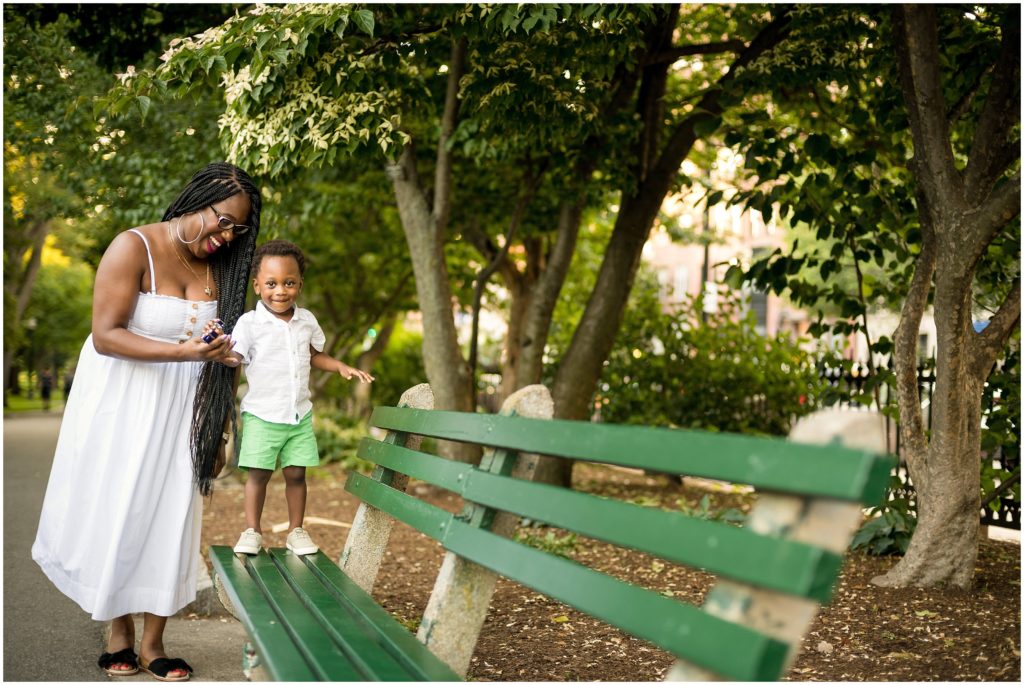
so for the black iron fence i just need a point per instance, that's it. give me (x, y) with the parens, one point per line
(856, 381)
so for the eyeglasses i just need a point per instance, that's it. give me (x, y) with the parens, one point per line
(227, 224)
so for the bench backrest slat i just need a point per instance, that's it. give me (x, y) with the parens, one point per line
(719, 548)
(738, 652)
(766, 463)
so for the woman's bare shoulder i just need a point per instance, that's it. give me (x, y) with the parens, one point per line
(128, 251)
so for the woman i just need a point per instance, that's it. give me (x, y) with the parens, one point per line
(141, 437)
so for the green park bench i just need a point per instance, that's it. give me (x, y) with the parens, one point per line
(310, 619)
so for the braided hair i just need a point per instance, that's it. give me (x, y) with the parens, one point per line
(214, 401)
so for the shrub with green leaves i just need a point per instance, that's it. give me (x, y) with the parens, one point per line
(337, 438)
(720, 374)
(399, 368)
(891, 526)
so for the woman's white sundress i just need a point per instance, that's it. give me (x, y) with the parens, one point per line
(119, 530)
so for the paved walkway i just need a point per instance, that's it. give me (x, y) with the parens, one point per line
(47, 637)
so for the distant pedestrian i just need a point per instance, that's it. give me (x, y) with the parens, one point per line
(46, 388)
(69, 378)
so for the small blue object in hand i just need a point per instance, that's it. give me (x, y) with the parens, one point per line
(218, 328)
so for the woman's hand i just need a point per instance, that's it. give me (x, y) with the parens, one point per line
(348, 372)
(217, 350)
(220, 345)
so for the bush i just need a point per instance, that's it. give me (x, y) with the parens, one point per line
(337, 439)
(892, 525)
(719, 374)
(399, 368)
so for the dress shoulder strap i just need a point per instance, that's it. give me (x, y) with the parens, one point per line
(149, 256)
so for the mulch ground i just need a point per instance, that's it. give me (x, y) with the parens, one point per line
(867, 633)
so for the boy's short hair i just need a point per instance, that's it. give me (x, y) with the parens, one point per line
(278, 248)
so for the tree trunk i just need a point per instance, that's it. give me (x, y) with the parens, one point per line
(957, 227)
(947, 480)
(424, 229)
(521, 294)
(532, 332)
(657, 166)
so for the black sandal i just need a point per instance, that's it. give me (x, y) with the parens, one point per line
(125, 656)
(159, 668)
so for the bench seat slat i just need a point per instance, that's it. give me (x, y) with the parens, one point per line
(740, 554)
(356, 638)
(403, 645)
(767, 463)
(324, 656)
(261, 622)
(737, 652)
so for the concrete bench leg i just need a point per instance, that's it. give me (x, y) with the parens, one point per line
(462, 592)
(371, 528)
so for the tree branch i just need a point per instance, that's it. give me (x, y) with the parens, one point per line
(484, 276)
(683, 137)
(443, 171)
(917, 50)
(1000, 114)
(991, 341)
(994, 214)
(912, 431)
(673, 54)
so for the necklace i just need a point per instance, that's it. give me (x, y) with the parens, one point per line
(188, 266)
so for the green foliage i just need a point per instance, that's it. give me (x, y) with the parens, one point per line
(559, 545)
(337, 438)
(891, 526)
(1001, 428)
(399, 368)
(705, 512)
(61, 295)
(720, 374)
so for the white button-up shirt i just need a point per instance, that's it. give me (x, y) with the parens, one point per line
(277, 362)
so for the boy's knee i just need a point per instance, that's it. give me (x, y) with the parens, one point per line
(259, 476)
(294, 474)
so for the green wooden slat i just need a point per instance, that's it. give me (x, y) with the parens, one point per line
(738, 553)
(442, 472)
(274, 643)
(426, 518)
(360, 646)
(733, 651)
(403, 645)
(768, 463)
(325, 658)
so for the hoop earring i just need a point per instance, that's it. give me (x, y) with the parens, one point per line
(177, 231)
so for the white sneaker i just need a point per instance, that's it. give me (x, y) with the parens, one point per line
(249, 542)
(300, 543)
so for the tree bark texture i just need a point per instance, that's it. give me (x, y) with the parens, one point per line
(960, 215)
(424, 227)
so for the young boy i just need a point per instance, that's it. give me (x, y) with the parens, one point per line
(278, 342)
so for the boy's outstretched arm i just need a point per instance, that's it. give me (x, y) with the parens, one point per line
(325, 362)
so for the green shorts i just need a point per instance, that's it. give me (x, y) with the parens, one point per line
(263, 442)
